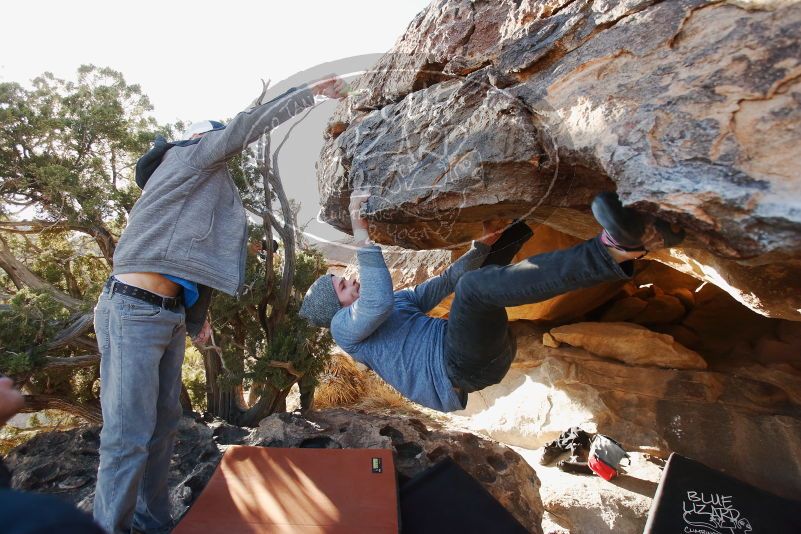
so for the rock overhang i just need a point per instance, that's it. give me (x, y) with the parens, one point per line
(528, 109)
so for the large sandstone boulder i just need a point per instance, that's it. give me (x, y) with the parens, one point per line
(745, 421)
(629, 343)
(527, 109)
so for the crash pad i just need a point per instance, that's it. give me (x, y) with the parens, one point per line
(445, 498)
(277, 490)
(695, 499)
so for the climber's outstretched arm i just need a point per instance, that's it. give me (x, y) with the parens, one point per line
(431, 292)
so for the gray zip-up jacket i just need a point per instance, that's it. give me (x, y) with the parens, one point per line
(189, 221)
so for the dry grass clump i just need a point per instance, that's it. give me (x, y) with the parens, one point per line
(340, 384)
(379, 395)
(344, 384)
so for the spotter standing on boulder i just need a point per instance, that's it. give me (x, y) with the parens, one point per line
(437, 362)
(186, 235)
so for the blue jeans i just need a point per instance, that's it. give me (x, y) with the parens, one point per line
(479, 348)
(142, 349)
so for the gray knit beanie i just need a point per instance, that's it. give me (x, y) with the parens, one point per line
(320, 303)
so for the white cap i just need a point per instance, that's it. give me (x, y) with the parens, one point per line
(201, 127)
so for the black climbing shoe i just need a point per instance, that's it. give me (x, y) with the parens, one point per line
(628, 230)
(511, 241)
(552, 452)
(575, 466)
(574, 440)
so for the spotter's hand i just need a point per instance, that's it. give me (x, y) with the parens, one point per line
(331, 86)
(203, 336)
(10, 399)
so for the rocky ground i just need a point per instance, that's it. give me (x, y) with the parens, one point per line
(588, 504)
(65, 463)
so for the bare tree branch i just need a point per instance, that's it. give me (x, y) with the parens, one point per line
(21, 276)
(74, 362)
(269, 275)
(287, 235)
(278, 300)
(278, 226)
(287, 366)
(84, 342)
(35, 403)
(77, 328)
(104, 239)
(286, 137)
(35, 226)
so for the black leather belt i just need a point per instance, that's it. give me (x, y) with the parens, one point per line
(168, 303)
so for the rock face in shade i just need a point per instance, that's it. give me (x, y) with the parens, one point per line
(65, 464)
(630, 343)
(689, 109)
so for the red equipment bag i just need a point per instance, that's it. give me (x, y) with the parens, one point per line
(601, 469)
(605, 456)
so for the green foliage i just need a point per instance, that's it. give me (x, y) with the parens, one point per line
(194, 378)
(67, 155)
(69, 146)
(311, 345)
(304, 346)
(309, 265)
(245, 173)
(248, 357)
(16, 363)
(26, 323)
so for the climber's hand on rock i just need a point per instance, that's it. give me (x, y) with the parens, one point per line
(358, 201)
(492, 231)
(11, 400)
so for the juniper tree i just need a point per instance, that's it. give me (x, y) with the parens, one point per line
(67, 153)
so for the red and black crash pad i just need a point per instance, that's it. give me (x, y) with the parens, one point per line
(275, 490)
(695, 499)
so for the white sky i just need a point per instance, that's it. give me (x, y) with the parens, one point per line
(204, 60)
(196, 59)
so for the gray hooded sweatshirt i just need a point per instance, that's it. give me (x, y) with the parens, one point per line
(189, 221)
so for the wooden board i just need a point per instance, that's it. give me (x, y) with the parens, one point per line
(273, 490)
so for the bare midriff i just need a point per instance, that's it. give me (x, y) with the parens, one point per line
(153, 282)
